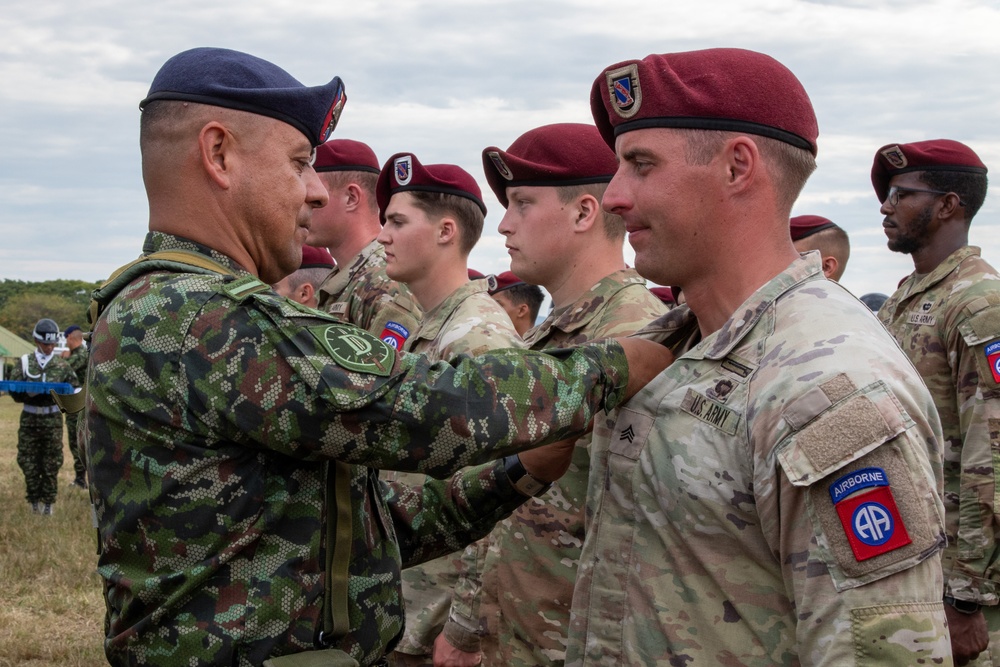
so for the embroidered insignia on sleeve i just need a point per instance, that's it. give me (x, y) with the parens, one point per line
(871, 519)
(993, 359)
(394, 335)
(355, 349)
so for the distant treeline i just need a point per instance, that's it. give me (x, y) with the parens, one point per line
(23, 303)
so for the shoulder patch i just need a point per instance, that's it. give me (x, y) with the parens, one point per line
(355, 349)
(992, 352)
(244, 287)
(394, 335)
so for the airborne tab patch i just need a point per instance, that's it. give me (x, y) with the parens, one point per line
(993, 359)
(355, 349)
(871, 520)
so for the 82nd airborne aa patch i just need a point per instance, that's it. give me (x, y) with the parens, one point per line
(355, 349)
(993, 359)
(394, 335)
(871, 519)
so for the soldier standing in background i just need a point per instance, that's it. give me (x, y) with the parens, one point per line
(520, 300)
(77, 358)
(946, 317)
(358, 290)
(514, 608)
(772, 497)
(433, 218)
(39, 435)
(814, 232)
(301, 285)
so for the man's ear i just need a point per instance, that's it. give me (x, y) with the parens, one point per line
(588, 212)
(742, 160)
(352, 194)
(216, 150)
(306, 291)
(830, 265)
(447, 230)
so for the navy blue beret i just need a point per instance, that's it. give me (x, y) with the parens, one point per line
(235, 80)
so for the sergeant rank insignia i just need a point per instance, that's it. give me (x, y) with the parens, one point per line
(867, 510)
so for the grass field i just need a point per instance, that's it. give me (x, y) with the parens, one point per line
(51, 609)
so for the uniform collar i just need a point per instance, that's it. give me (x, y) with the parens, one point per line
(432, 321)
(579, 313)
(914, 284)
(156, 241)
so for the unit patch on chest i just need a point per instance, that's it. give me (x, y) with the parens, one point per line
(710, 411)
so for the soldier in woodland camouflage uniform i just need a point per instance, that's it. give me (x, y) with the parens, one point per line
(358, 291)
(946, 317)
(77, 359)
(222, 419)
(39, 436)
(773, 497)
(514, 608)
(433, 218)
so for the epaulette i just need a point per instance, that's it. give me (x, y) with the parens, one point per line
(180, 261)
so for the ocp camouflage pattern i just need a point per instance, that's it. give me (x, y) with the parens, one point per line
(514, 606)
(712, 535)
(365, 296)
(944, 321)
(212, 411)
(468, 322)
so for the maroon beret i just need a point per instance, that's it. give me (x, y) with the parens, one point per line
(503, 281)
(316, 258)
(475, 275)
(933, 155)
(345, 155)
(714, 89)
(403, 172)
(804, 226)
(551, 155)
(664, 294)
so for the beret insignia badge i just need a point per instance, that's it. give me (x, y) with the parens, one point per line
(624, 90)
(895, 157)
(402, 169)
(501, 166)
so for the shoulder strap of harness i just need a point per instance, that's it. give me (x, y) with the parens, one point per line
(181, 261)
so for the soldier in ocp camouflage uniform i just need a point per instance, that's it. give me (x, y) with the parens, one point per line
(39, 435)
(946, 317)
(773, 497)
(433, 220)
(222, 419)
(78, 362)
(514, 607)
(358, 291)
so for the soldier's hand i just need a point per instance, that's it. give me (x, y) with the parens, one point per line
(645, 361)
(446, 655)
(550, 462)
(969, 636)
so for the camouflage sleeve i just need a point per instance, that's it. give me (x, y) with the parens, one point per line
(374, 307)
(269, 375)
(632, 308)
(443, 516)
(976, 353)
(60, 370)
(16, 374)
(864, 569)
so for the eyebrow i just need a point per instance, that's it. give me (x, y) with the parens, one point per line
(633, 153)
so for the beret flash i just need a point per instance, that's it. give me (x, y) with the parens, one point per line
(235, 80)
(316, 258)
(346, 155)
(933, 155)
(804, 226)
(551, 155)
(503, 281)
(404, 173)
(715, 89)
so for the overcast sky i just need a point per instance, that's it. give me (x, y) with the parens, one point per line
(444, 80)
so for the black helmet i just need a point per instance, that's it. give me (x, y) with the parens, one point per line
(46, 331)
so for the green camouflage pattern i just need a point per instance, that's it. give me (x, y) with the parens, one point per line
(213, 408)
(467, 322)
(712, 536)
(78, 362)
(513, 602)
(364, 295)
(943, 321)
(39, 436)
